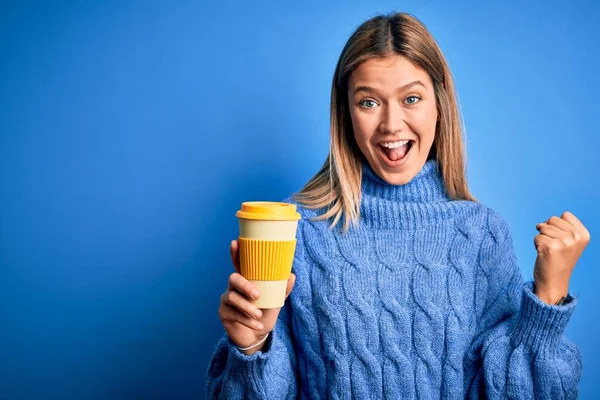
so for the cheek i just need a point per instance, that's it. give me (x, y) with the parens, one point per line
(426, 123)
(362, 140)
(362, 130)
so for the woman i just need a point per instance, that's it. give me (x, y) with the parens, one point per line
(418, 294)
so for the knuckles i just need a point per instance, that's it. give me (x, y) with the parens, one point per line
(570, 239)
(554, 218)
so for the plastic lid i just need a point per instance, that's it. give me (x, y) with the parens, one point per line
(268, 210)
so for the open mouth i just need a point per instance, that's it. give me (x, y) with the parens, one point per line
(395, 152)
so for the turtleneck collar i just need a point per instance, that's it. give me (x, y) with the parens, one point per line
(422, 201)
(426, 186)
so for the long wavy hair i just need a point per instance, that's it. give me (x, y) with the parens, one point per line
(337, 185)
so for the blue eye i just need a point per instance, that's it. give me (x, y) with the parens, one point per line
(417, 99)
(362, 103)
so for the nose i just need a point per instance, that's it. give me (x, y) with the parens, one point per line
(393, 118)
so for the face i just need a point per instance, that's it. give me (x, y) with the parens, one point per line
(394, 115)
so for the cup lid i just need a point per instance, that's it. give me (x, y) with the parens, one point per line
(268, 210)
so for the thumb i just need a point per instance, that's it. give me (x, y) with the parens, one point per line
(290, 285)
(235, 255)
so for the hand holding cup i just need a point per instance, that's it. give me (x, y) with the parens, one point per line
(262, 257)
(244, 322)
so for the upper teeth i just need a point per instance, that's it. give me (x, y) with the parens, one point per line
(395, 145)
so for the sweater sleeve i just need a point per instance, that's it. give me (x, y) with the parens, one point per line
(519, 350)
(267, 374)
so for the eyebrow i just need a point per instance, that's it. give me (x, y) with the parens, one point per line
(370, 89)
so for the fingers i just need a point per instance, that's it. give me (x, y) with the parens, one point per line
(235, 303)
(579, 227)
(543, 242)
(239, 283)
(236, 300)
(235, 255)
(231, 314)
(552, 231)
(290, 285)
(572, 219)
(561, 224)
(567, 223)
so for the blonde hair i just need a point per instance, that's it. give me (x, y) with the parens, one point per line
(337, 185)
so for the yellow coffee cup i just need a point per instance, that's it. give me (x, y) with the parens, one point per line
(267, 243)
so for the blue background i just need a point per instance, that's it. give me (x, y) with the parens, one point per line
(131, 132)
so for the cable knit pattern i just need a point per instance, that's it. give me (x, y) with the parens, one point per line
(423, 300)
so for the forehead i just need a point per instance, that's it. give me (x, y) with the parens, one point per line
(387, 73)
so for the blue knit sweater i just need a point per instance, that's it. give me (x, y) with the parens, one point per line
(424, 300)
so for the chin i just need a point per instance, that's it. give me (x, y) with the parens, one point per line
(396, 178)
